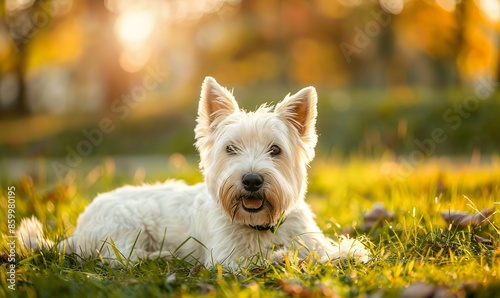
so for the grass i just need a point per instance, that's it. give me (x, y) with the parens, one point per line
(416, 251)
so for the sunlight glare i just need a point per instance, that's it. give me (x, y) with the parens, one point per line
(392, 6)
(448, 5)
(17, 5)
(134, 27)
(133, 61)
(490, 8)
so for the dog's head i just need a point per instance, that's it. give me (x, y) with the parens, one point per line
(255, 163)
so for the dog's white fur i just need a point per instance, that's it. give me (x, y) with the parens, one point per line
(208, 222)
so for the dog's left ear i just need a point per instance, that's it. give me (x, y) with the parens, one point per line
(215, 101)
(300, 109)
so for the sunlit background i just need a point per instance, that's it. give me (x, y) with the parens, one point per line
(386, 71)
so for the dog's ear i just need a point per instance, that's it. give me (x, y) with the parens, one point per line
(300, 110)
(215, 101)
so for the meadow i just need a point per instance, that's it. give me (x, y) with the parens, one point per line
(100, 94)
(416, 253)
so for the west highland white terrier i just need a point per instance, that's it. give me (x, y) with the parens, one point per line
(250, 206)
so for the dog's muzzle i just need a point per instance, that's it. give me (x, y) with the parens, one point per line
(253, 202)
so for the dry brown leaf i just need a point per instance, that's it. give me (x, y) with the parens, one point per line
(377, 215)
(295, 289)
(482, 239)
(206, 289)
(196, 269)
(423, 290)
(463, 219)
(418, 290)
(443, 292)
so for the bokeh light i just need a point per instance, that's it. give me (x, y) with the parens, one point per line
(108, 45)
(134, 28)
(393, 6)
(491, 8)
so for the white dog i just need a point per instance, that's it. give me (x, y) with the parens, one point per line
(251, 203)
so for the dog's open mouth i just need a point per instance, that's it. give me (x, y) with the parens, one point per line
(252, 204)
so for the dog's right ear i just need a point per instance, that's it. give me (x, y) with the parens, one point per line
(215, 102)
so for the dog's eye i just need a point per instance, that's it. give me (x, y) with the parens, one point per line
(274, 150)
(230, 149)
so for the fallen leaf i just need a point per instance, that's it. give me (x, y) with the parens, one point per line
(441, 185)
(326, 291)
(482, 239)
(206, 289)
(463, 219)
(376, 216)
(418, 290)
(294, 289)
(196, 269)
(443, 292)
(4, 257)
(471, 287)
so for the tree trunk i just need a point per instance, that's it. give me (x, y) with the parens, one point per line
(21, 106)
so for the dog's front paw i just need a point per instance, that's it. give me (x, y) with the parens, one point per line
(348, 248)
(278, 256)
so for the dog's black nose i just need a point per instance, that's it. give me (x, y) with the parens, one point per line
(252, 182)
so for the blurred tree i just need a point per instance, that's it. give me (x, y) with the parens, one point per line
(346, 44)
(22, 26)
(103, 51)
(79, 37)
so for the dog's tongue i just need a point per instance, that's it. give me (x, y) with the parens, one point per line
(252, 203)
